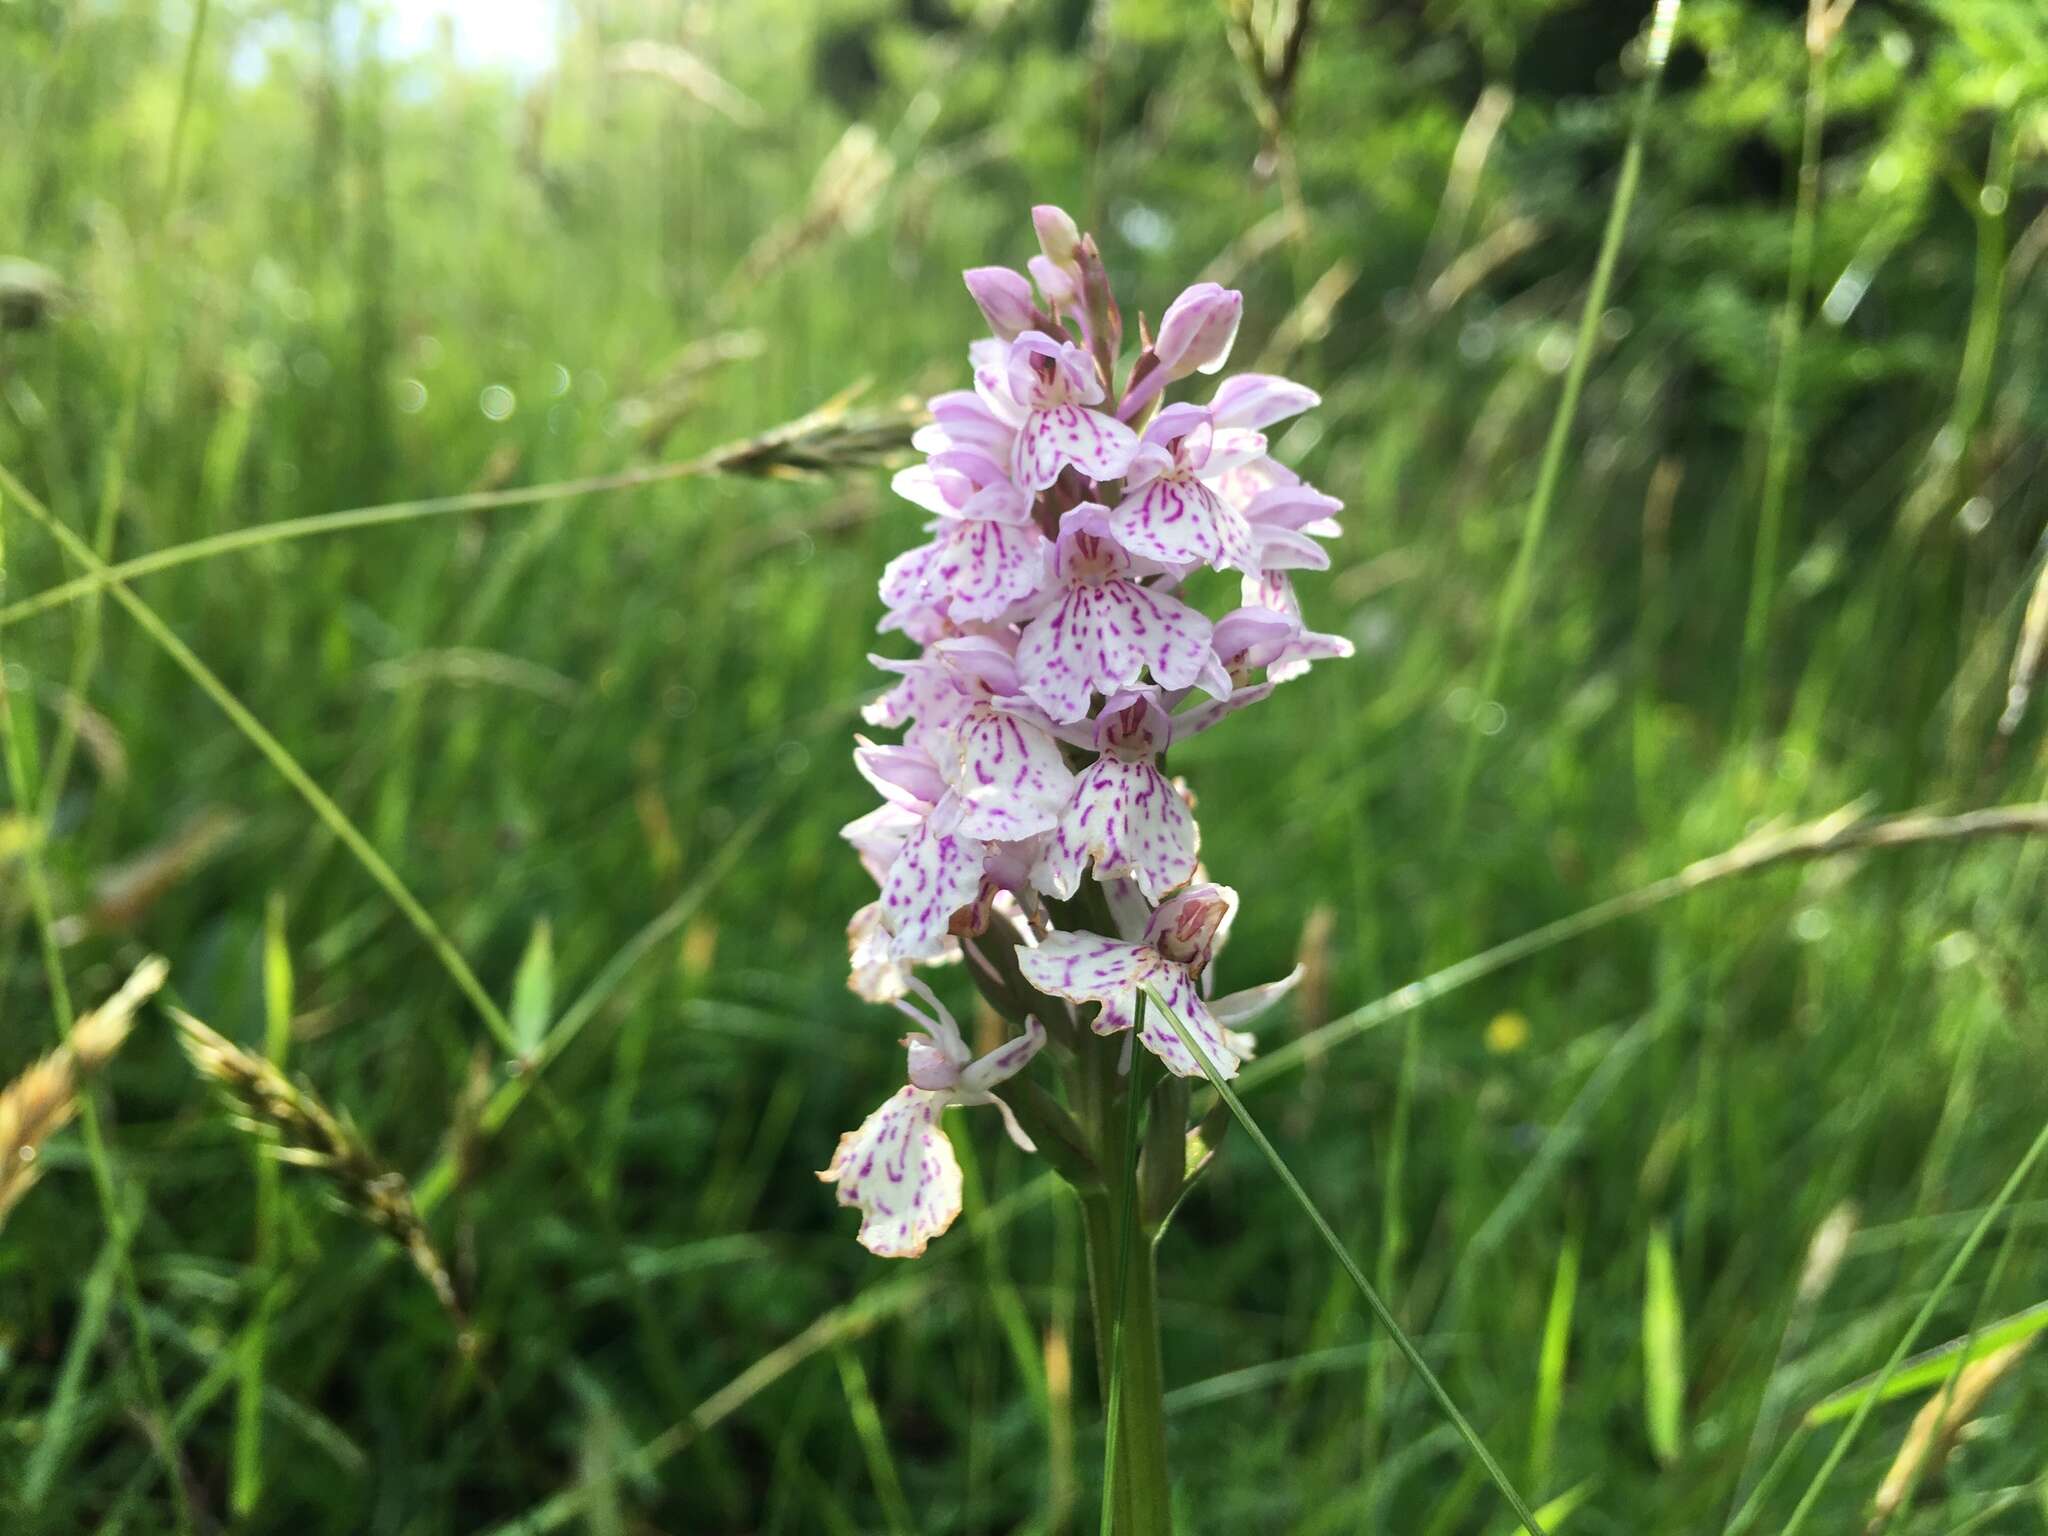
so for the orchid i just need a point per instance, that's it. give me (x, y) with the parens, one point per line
(1030, 832)
(898, 1168)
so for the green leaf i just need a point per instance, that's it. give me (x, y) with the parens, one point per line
(1550, 1366)
(533, 990)
(1663, 1350)
(1932, 1367)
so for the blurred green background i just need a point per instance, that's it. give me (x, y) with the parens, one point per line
(1643, 1200)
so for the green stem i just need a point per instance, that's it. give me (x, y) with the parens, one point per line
(1515, 595)
(1785, 445)
(1129, 1344)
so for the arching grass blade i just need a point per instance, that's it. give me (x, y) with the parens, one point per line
(1365, 1287)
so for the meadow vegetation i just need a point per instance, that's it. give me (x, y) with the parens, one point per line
(1648, 1198)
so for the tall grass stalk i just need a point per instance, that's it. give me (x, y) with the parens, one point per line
(662, 1351)
(1843, 832)
(1784, 445)
(17, 743)
(1514, 596)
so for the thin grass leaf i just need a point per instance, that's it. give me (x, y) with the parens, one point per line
(1555, 1512)
(1515, 594)
(1378, 1307)
(1845, 831)
(1551, 1361)
(1875, 1394)
(834, 438)
(533, 991)
(245, 1493)
(60, 1421)
(1928, 1369)
(1663, 1350)
(874, 1442)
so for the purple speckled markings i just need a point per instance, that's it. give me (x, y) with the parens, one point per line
(898, 1168)
(1087, 968)
(1169, 512)
(1105, 627)
(1124, 814)
(1069, 504)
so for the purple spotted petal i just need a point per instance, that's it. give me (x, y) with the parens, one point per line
(981, 567)
(1177, 990)
(934, 875)
(899, 1171)
(1177, 520)
(1005, 1061)
(1130, 821)
(1087, 968)
(879, 836)
(1096, 444)
(1099, 638)
(1007, 774)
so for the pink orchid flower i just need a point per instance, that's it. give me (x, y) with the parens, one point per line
(1087, 968)
(1105, 627)
(1047, 390)
(1169, 513)
(898, 1169)
(987, 555)
(1124, 815)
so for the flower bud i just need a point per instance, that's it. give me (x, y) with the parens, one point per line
(930, 1068)
(1004, 298)
(1058, 236)
(1197, 331)
(1058, 284)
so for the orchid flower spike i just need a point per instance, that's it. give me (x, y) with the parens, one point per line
(1068, 504)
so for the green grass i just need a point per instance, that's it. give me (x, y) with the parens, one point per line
(618, 717)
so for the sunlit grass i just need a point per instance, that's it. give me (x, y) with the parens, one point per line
(384, 282)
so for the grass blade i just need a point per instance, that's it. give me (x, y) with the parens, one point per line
(533, 990)
(59, 1420)
(874, 1441)
(1928, 1369)
(246, 1491)
(1875, 1393)
(1515, 595)
(1365, 1287)
(1551, 1362)
(1663, 1350)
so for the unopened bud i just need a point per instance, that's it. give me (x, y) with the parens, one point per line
(1004, 298)
(1058, 235)
(1198, 329)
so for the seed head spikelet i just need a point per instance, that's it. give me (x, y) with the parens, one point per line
(44, 1098)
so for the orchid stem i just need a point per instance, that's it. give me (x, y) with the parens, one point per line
(1129, 1346)
(1123, 1294)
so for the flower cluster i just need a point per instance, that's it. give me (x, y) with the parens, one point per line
(1059, 663)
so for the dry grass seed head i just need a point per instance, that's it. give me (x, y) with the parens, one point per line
(44, 1098)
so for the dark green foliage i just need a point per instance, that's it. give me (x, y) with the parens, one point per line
(559, 715)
